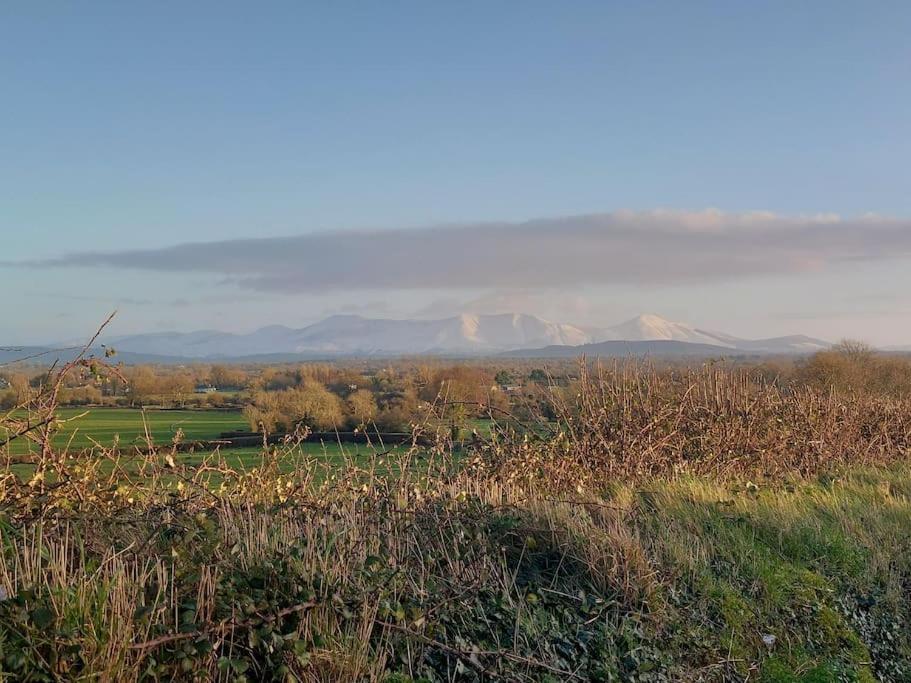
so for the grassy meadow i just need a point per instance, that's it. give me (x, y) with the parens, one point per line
(84, 428)
(93, 433)
(100, 428)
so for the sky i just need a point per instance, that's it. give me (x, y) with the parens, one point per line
(739, 166)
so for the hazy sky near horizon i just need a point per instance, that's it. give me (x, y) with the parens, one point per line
(742, 167)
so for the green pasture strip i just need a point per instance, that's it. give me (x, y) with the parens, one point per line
(86, 426)
(323, 457)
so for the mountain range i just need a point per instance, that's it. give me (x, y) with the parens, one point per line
(505, 335)
(465, 334)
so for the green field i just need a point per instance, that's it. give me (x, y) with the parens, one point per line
(325, 457)
(87, 428)
(291, 457)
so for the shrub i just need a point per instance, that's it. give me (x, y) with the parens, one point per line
(362, 407)
(854, 367)
(311, 405)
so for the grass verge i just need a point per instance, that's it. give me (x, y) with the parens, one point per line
(463, 578)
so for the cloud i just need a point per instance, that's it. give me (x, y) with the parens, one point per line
(660, 247)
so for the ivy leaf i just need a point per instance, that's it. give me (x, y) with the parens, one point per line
(42, 617)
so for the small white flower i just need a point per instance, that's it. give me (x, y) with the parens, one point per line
(768, 640)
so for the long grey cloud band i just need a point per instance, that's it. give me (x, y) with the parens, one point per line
(650, 247)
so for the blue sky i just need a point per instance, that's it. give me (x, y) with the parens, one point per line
(128, 128)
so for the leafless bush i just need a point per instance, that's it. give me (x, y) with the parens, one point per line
(628, 420)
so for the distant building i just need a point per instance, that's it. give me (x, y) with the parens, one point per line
(504, 387)
(205, 389)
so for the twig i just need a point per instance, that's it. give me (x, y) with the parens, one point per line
(26, 430)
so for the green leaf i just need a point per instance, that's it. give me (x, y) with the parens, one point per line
(42, 617)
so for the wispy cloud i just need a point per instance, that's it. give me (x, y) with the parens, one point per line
(659, 247)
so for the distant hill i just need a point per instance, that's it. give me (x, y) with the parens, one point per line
(655, 336)
(623, 349)
(797, 343)
(649, 327)
(45, 355)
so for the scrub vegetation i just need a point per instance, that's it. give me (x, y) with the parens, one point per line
(634, 523)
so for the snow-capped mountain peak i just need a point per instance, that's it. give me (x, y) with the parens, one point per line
(651, 327)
